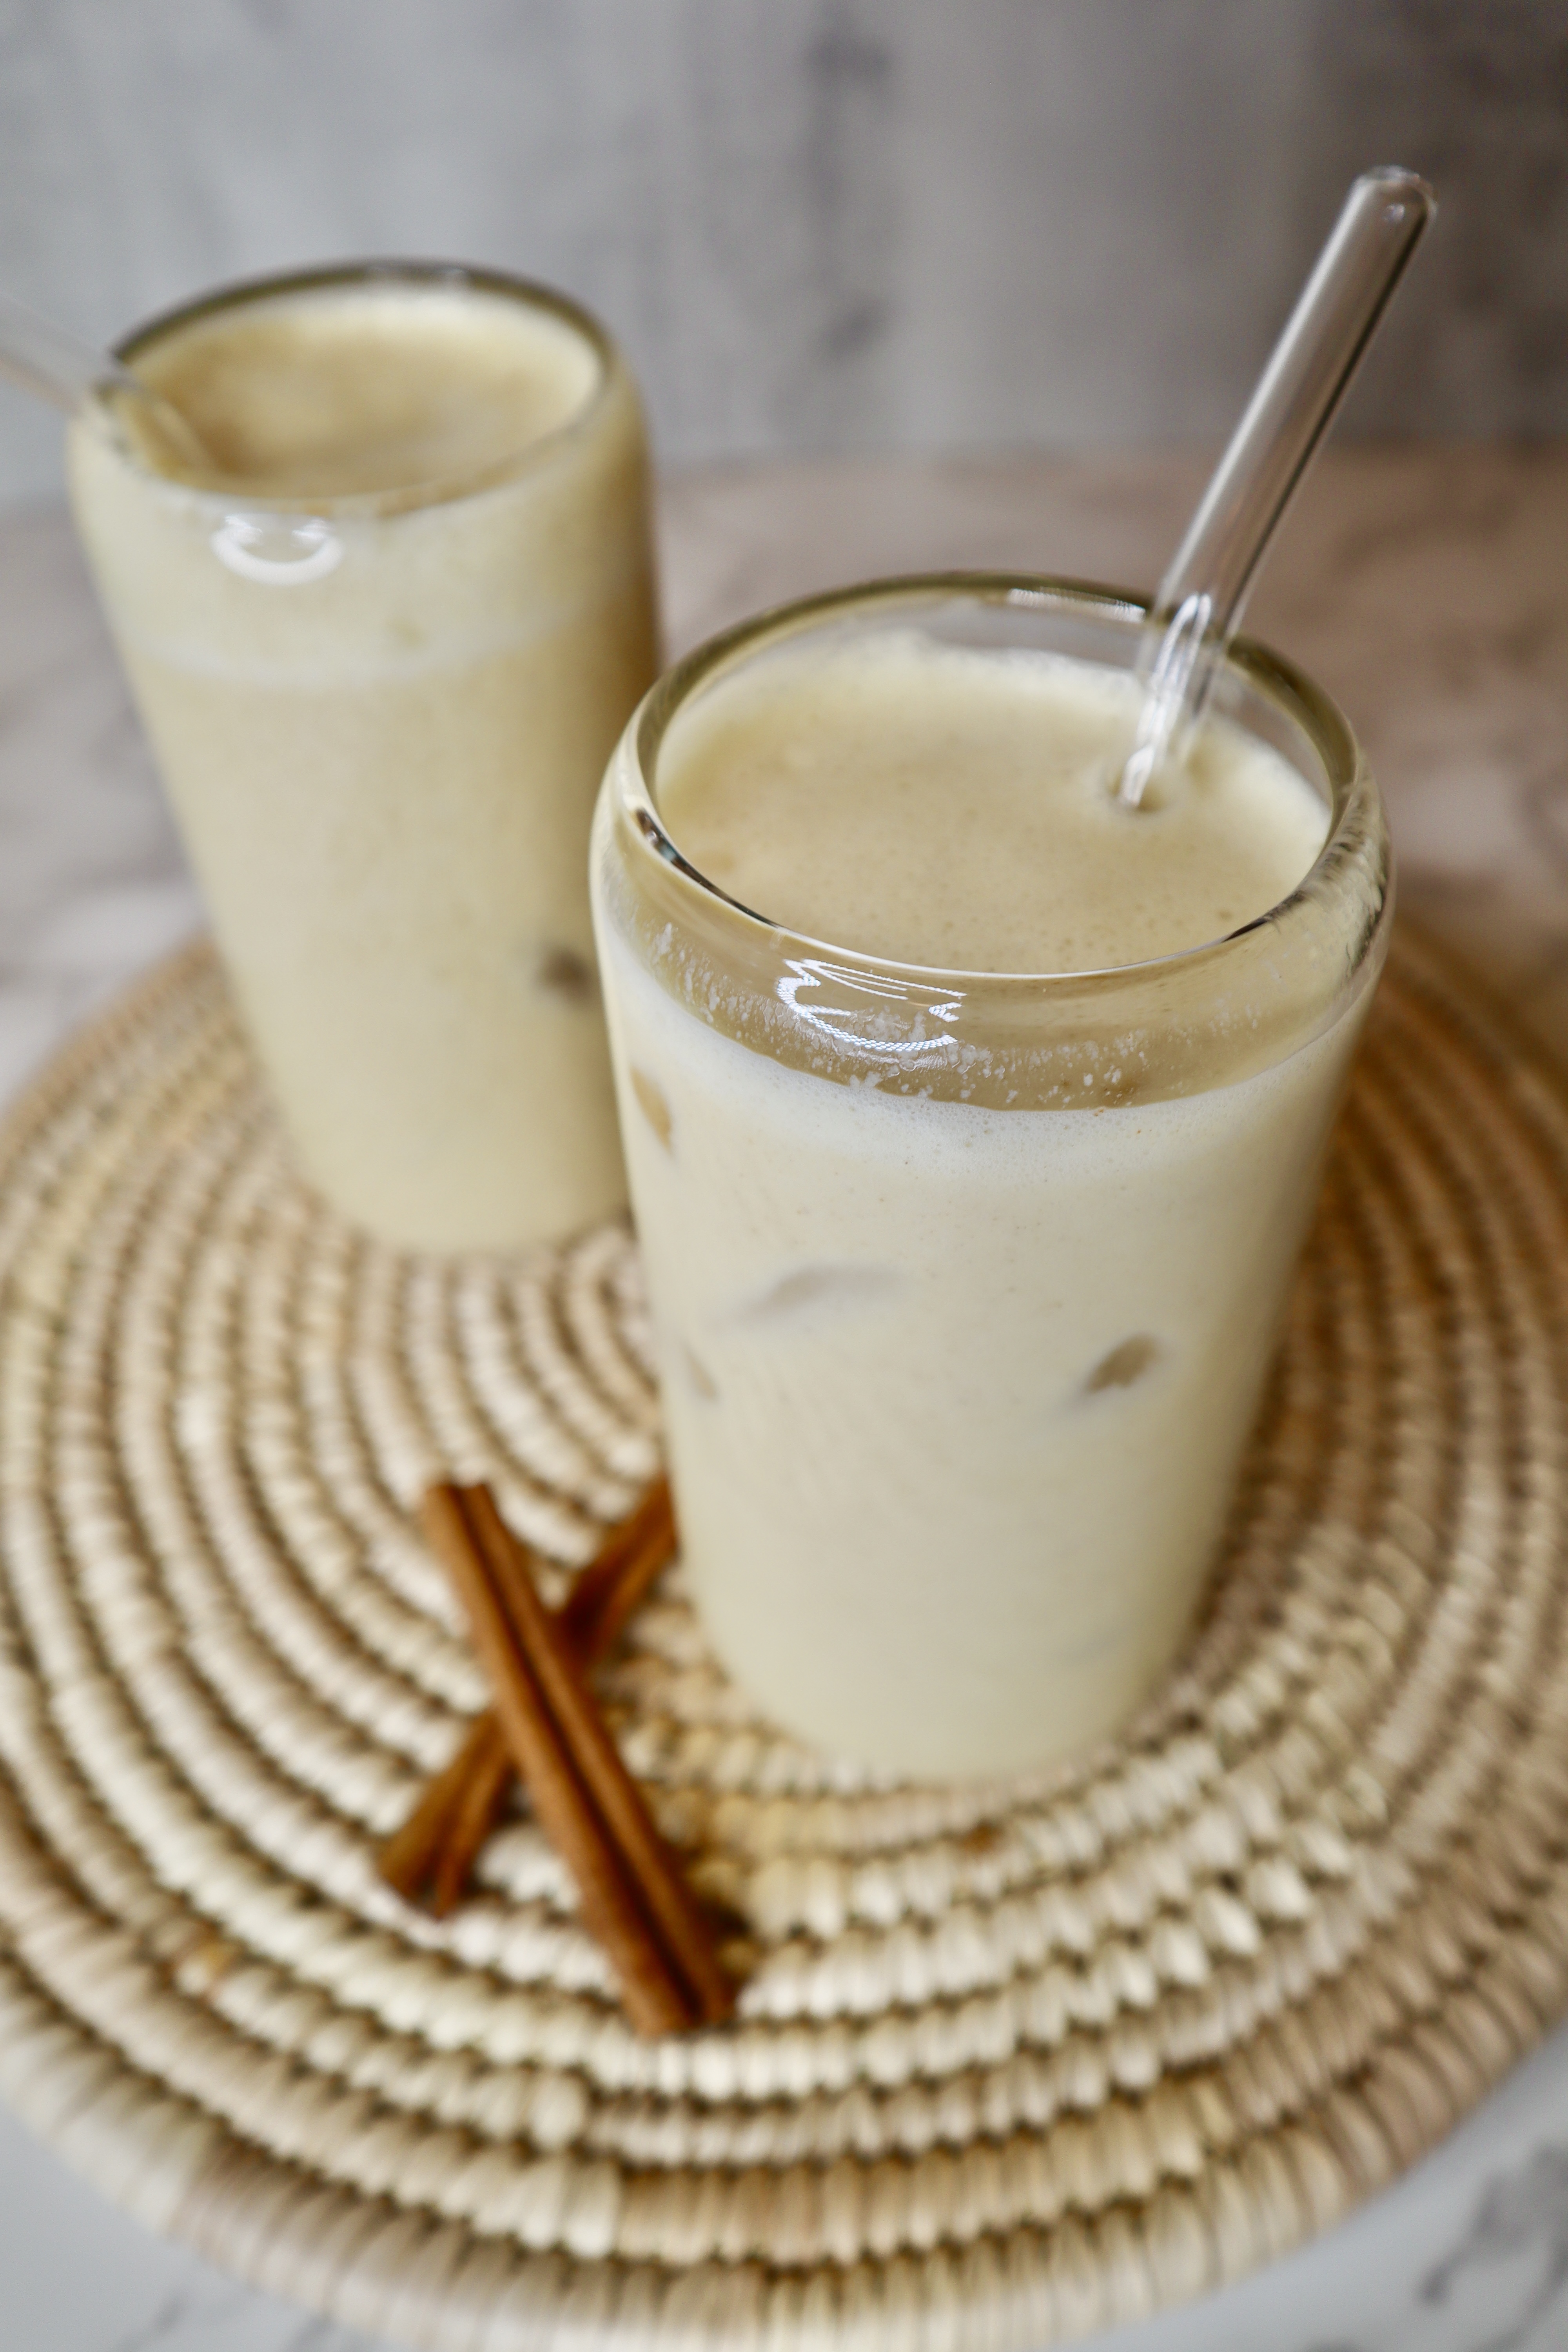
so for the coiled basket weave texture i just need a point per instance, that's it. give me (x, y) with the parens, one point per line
(1011, 2063)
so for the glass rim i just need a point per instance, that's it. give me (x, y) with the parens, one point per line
(1269, 672)
(239, 293)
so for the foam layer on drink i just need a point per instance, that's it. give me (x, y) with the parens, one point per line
(948, 807)
(339, 391)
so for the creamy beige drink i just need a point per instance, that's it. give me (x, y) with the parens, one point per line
(940, 806)
(964, 1288)
(383, 653)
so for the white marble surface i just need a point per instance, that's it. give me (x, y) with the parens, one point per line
(1430, 594)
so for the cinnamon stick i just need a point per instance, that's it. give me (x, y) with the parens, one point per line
(431, 1858)
(633, 1895)
(678, 1922)
(474, 1813)
(604, 1593)
(424, 1850)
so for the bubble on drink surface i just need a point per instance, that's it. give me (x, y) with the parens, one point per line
(820, 1286)
(1124, 1364)
(654, 1107)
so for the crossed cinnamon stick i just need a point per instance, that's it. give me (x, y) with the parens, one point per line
(544, 1722)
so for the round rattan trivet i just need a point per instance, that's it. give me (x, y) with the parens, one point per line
(1010, 2064)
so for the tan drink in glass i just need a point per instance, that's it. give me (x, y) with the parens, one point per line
(974, 1125)
(382, 658)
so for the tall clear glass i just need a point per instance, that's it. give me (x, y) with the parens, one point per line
(965, 1286)
(382, 715)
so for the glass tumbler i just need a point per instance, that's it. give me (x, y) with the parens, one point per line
(964, 1287)
(381, 715)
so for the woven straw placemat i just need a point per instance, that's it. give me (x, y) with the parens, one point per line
(1010, 2064)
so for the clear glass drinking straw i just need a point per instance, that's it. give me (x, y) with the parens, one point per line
(1200, 599)
(63, 368)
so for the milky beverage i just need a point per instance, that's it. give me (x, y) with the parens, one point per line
(383, 659)
(956, 1377)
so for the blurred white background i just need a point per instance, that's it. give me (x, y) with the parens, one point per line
(825, 225)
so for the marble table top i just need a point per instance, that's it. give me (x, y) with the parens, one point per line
(1427, 590)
